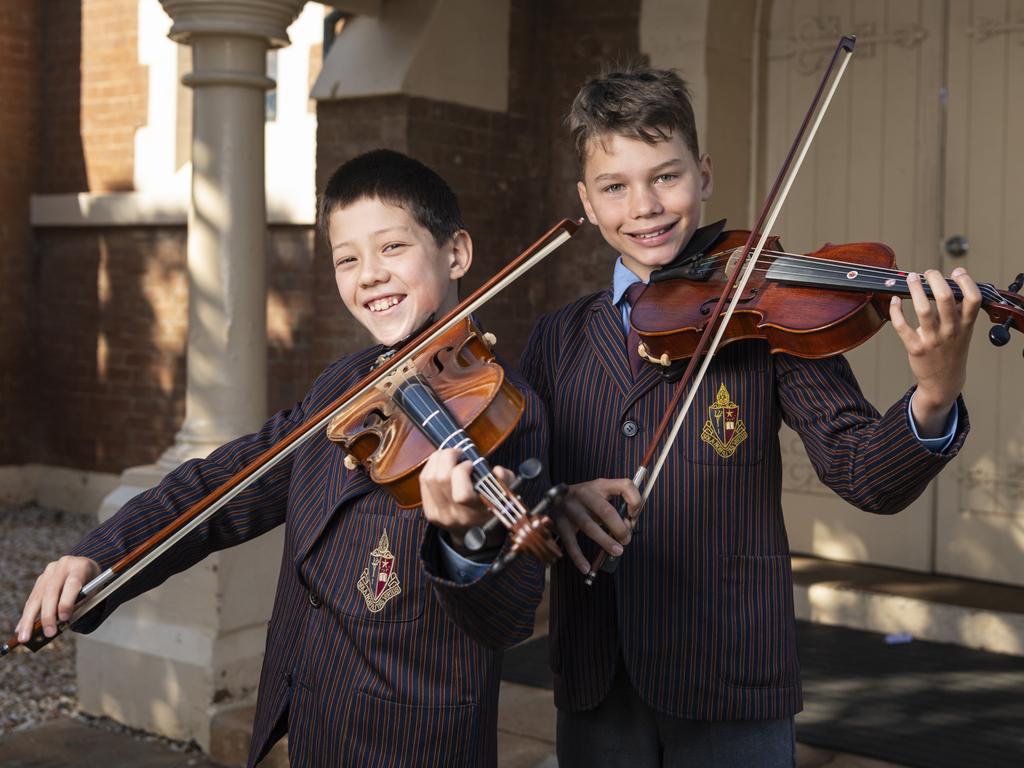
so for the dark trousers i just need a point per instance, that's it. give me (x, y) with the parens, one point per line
(624, 732)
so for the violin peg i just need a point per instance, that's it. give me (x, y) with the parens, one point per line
(476, 537)
(351, 462)
(530, 469)
(490, 339)
(1000, 334)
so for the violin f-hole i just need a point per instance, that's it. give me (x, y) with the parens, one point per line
(707, 306)
(436, 358)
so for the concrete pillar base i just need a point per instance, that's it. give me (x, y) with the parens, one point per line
(171, 659)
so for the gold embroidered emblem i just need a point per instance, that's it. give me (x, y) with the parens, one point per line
(379, 582)
(724, 430)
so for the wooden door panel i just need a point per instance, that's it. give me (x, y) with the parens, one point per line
(980, 530)
(871, 175)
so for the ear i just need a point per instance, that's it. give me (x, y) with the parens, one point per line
(707, 180)
(587, 207)
(460, 257)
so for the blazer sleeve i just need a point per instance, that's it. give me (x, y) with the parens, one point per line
(873, 461)
(497, 610)
(256, 510)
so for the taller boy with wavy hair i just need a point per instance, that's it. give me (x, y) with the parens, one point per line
(687, 655)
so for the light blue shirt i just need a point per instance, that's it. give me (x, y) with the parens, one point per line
(460, 569)
(622, 278)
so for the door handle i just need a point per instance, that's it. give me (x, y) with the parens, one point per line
(957, 246)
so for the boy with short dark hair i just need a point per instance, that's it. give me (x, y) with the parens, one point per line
(384, 643)
(687, 655)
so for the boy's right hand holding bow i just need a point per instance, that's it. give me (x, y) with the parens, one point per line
(587, 508)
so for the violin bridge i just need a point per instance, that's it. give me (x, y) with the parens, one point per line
(393, 379)
(734, 262)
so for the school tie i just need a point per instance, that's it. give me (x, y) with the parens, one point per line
(632, 338)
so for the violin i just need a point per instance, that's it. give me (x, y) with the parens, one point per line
(810, 305)
(453, 394)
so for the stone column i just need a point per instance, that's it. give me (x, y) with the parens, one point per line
(170, 660)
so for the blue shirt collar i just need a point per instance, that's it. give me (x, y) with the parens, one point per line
(622, 278)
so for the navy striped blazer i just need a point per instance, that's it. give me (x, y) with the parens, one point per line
(373, 658)
(701, 607)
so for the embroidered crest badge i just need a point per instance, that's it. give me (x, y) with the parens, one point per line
(724, 430)
(379, 582)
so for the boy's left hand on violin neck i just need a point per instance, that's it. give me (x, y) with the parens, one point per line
(938, 347)
(450, 500)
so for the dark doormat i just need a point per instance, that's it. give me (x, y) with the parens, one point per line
(919, 704)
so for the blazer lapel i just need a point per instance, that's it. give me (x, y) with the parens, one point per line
(340, 483)
(648, 379)
(606, 335)
(609, 340)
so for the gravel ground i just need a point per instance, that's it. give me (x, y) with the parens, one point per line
(34, 686)
(41, 686)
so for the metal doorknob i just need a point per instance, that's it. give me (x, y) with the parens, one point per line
(957, 246)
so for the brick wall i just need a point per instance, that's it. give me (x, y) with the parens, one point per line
(95, 95)
(110, 328)
(19, 92)
(582, 38)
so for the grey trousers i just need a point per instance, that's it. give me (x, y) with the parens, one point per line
(624, 732)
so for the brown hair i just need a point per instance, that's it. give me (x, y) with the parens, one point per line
(635, 101)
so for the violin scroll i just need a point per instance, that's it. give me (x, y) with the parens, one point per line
(1009, 313)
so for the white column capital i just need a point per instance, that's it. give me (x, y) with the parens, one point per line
(265, 19)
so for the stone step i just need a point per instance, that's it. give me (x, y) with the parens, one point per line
(230, 730)
(974, 614)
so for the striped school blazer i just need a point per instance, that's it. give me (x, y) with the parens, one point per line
(701, 607)
(373, 658)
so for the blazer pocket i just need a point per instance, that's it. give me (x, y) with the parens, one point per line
(758, 648)
(380, 579)
(732, 418)
(388, 733)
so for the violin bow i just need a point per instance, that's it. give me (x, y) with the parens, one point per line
(121, 572)
(715, 329)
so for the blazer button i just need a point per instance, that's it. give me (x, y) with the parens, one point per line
(630, 428)
(314, 600)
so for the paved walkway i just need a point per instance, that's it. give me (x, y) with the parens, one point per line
(527, 718)
(526, 735)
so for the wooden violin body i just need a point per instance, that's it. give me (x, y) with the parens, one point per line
(809, 305)
(461, 370)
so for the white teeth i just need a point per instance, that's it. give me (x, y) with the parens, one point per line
(379, 305)
(649, 235)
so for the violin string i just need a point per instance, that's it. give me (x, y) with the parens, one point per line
(505, 505)
(830, 267)
(507, 501)
(864, 270)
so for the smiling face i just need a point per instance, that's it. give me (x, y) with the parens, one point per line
(391, 275)
(645, 198)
